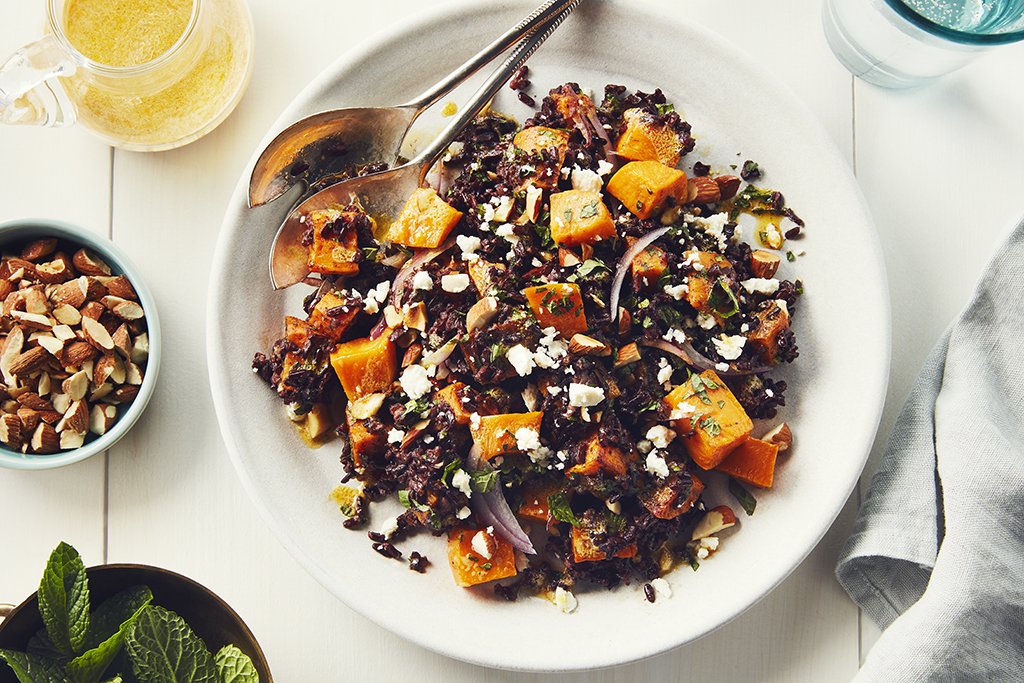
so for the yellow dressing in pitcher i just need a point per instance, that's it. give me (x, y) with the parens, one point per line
(181, 97)
(125, 32)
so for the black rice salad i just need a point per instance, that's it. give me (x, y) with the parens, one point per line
(552, 350)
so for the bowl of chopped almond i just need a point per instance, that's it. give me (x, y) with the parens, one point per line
(79, 344)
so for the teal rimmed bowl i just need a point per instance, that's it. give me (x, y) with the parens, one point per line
(21, 231)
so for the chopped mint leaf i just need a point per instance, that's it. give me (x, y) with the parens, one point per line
(483, 481)
(64, 599)
(235, 666)
(743, 496)
(589, 266)
(558, 504)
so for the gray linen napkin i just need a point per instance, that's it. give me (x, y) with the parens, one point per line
(936, 557)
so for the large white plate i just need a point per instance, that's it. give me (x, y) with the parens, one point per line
(738, 112)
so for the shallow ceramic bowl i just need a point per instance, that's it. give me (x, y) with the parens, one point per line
(20, 232)
(209, 617)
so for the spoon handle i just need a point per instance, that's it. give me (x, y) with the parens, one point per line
(524, 49)
(539, 16)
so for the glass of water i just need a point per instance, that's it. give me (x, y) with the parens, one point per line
(906, 43)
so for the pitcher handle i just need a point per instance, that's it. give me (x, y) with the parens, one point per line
(29, 93)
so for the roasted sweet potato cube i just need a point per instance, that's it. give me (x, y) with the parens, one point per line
(774, 319)
(579, 217)
(425, 221)
(753, 461)
(365, 443)
(717, 420)
(496, 434)
(648, 265)
(365, 366)
(558, 305)
(700, 285)
(332, 315)
(477, 555)
(646, 139)
(335, 244)
(450, 396)
(484, 275)
(539, 139)
(644, 187)
(583, 547)
(598, 457)
(535, 502)
(672, 496)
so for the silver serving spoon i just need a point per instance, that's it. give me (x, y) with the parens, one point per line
(318, 147)
(383, 195)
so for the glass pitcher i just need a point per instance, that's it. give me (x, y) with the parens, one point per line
(144, 75)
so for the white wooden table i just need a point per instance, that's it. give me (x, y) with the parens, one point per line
(942, 168)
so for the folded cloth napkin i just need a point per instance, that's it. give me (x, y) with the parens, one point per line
(936, 557)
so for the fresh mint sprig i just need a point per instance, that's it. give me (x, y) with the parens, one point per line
(125, 640)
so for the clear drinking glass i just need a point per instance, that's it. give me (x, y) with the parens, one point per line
(906, 43)
(143, 75)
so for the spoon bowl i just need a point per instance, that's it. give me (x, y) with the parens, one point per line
(325, 147)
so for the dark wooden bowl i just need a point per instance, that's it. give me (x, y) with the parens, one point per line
(209, 617)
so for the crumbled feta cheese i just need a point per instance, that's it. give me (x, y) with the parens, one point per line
(474, 420)
(464, 512)
(677, 292)
(389, 527)
(527, 439)
(644, 446)
(507, 231)
(714, 226)
(585, 179)
(554, 390)
(396, 436)
(457, 282)
(681, 411)
(781, 303)
(729, 347)
(565, 600)
(656, 464)
(693, 260)
(460, 480)
(488, 215)
(584, 396)
(706, 321)
(660, 436)
(468, 245)
(722, 367)
(604, 168)
(415, 382)
(706, 546)
(662, 588)
(521, 359)
(375, 297)
(761, 285)
(422, 280)
(676, 335)
(481, 545)
(664, 370)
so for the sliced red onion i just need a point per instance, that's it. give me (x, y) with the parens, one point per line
(693, 357)
(492, 509)
(624, 264)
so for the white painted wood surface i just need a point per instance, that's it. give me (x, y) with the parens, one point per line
(941, 168)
